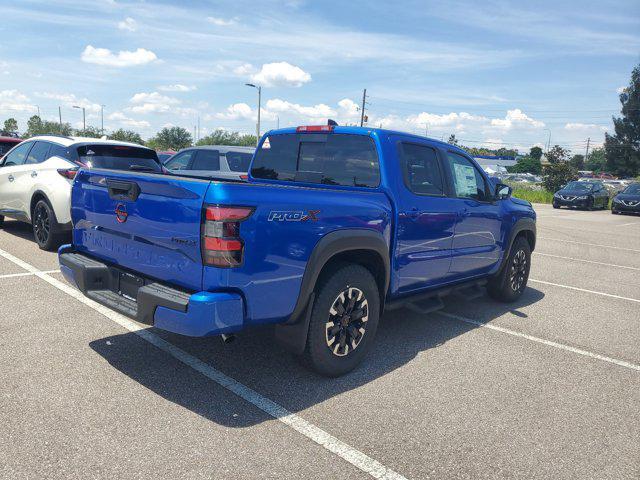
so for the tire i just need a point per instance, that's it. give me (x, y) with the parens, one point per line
(511, 282)
(555, 205)
(1, 220)
(590, 203)
(45, 226)
(336, 343)
(614, 212)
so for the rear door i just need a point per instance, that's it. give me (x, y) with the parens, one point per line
(147, 223)
(426, 218)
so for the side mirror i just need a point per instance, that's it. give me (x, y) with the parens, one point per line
(502, 191)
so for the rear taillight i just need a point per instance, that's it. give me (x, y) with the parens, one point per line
(244, 177)
(69, 173)
(221, 242)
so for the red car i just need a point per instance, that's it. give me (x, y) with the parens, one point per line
(7, 143)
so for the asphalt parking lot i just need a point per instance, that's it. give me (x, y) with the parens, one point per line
(548, 387)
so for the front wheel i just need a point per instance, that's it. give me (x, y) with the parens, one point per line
(555, 205)
(344, 320)
(1, 220)
(510, 283)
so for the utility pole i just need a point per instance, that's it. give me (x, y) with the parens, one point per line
(84, 118)
(198, 127)
(586, 155)
(60, 116)
(278, 122)
(259, 88)
(364, 102)
(38, 108)
(102, 119)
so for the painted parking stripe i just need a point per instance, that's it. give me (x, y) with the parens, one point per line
(26, 274)
(297, 423)
(588, 244)
(587, 261)
(570, 287)
(549, 343)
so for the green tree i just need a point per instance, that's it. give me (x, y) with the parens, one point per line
(557, 154)
(36, 126)
(90, 132)
(452, 139)
(596, 161)
(535, 152)
(558, 174)
(171, 138)
(577, 161)
(622, 149)
(123, 135)
(10, 126)
(527, 164)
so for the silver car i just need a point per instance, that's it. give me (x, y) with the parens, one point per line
(213, 161)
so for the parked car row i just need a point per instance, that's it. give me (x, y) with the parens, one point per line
(591, 194)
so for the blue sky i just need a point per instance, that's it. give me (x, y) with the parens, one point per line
(494, 73)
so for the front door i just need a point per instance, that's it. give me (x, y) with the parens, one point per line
(426, 218)
(11, 175)
(478, 231)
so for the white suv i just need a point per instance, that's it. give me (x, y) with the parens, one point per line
(36, 178)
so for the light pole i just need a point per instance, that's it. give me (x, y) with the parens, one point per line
(259, 88)
(84, 118)
(101, 118)
(38, 108)
(549, 139)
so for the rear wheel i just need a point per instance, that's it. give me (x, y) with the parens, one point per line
(344, 320)
(510, 283)
(614, 211)
(1, 220)
(45, 226)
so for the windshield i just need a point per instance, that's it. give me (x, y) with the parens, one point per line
(119, 157)
(239, 161)
(633, 189)
(578, 187)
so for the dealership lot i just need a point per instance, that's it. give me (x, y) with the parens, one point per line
(546, 387)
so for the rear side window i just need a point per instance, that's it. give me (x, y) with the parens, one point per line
(420, 169)
(330, 159)
(207, 160)
(239, 161)
(58, 151)
(39, 153)
(119, 157)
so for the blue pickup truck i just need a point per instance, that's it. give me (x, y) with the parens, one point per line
(335, 225)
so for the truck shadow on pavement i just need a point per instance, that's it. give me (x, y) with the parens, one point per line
(257, 361)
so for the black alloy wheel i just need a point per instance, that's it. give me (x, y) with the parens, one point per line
(347, 321)
(42, 223)
(518, 272)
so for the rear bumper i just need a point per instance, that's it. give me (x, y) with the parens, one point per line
(199, 314)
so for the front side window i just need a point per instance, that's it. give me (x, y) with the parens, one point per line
(467, 180)
(18, 155)
(420, 169)
(119, 157)
(330, 159)
(180, 161)
(207, 160)
(39, 153)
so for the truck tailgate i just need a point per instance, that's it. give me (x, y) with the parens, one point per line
(147, 223)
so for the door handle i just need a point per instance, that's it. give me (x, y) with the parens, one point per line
(11, 179)
(34, 174)
(413, 213)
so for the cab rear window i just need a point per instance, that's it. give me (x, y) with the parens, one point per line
(330, 159)
(119, 157)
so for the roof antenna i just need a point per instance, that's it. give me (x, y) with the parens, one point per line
(333, 123)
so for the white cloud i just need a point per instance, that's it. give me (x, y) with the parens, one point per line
(516, 117)
(237, 111)
(128, 24)
(70, 99)
(445, 120)
(281, 74)
(244, 70)
(314, 112)
(621, 89)
(15, 101)
(104, 56)
(177, 87)
(123, 120)
(221, 22)
(152, 102)
(576, 126)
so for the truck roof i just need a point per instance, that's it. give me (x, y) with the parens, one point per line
(380, 132)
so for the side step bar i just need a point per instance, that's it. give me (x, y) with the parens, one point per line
(431, 301)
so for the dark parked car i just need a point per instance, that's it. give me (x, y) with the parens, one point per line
(212, 161)
(587, 195)
(7, 143)
(627, 201)
(164, 156)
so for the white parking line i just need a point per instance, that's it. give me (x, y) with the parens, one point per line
(319, 436)
(627, 224)
(549, 343)
(26, 274)
(586, 261)
(588, 244)
(585, 290)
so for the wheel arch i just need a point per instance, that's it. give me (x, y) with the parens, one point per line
(524, 227)
(363, 247)
(36, 196)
